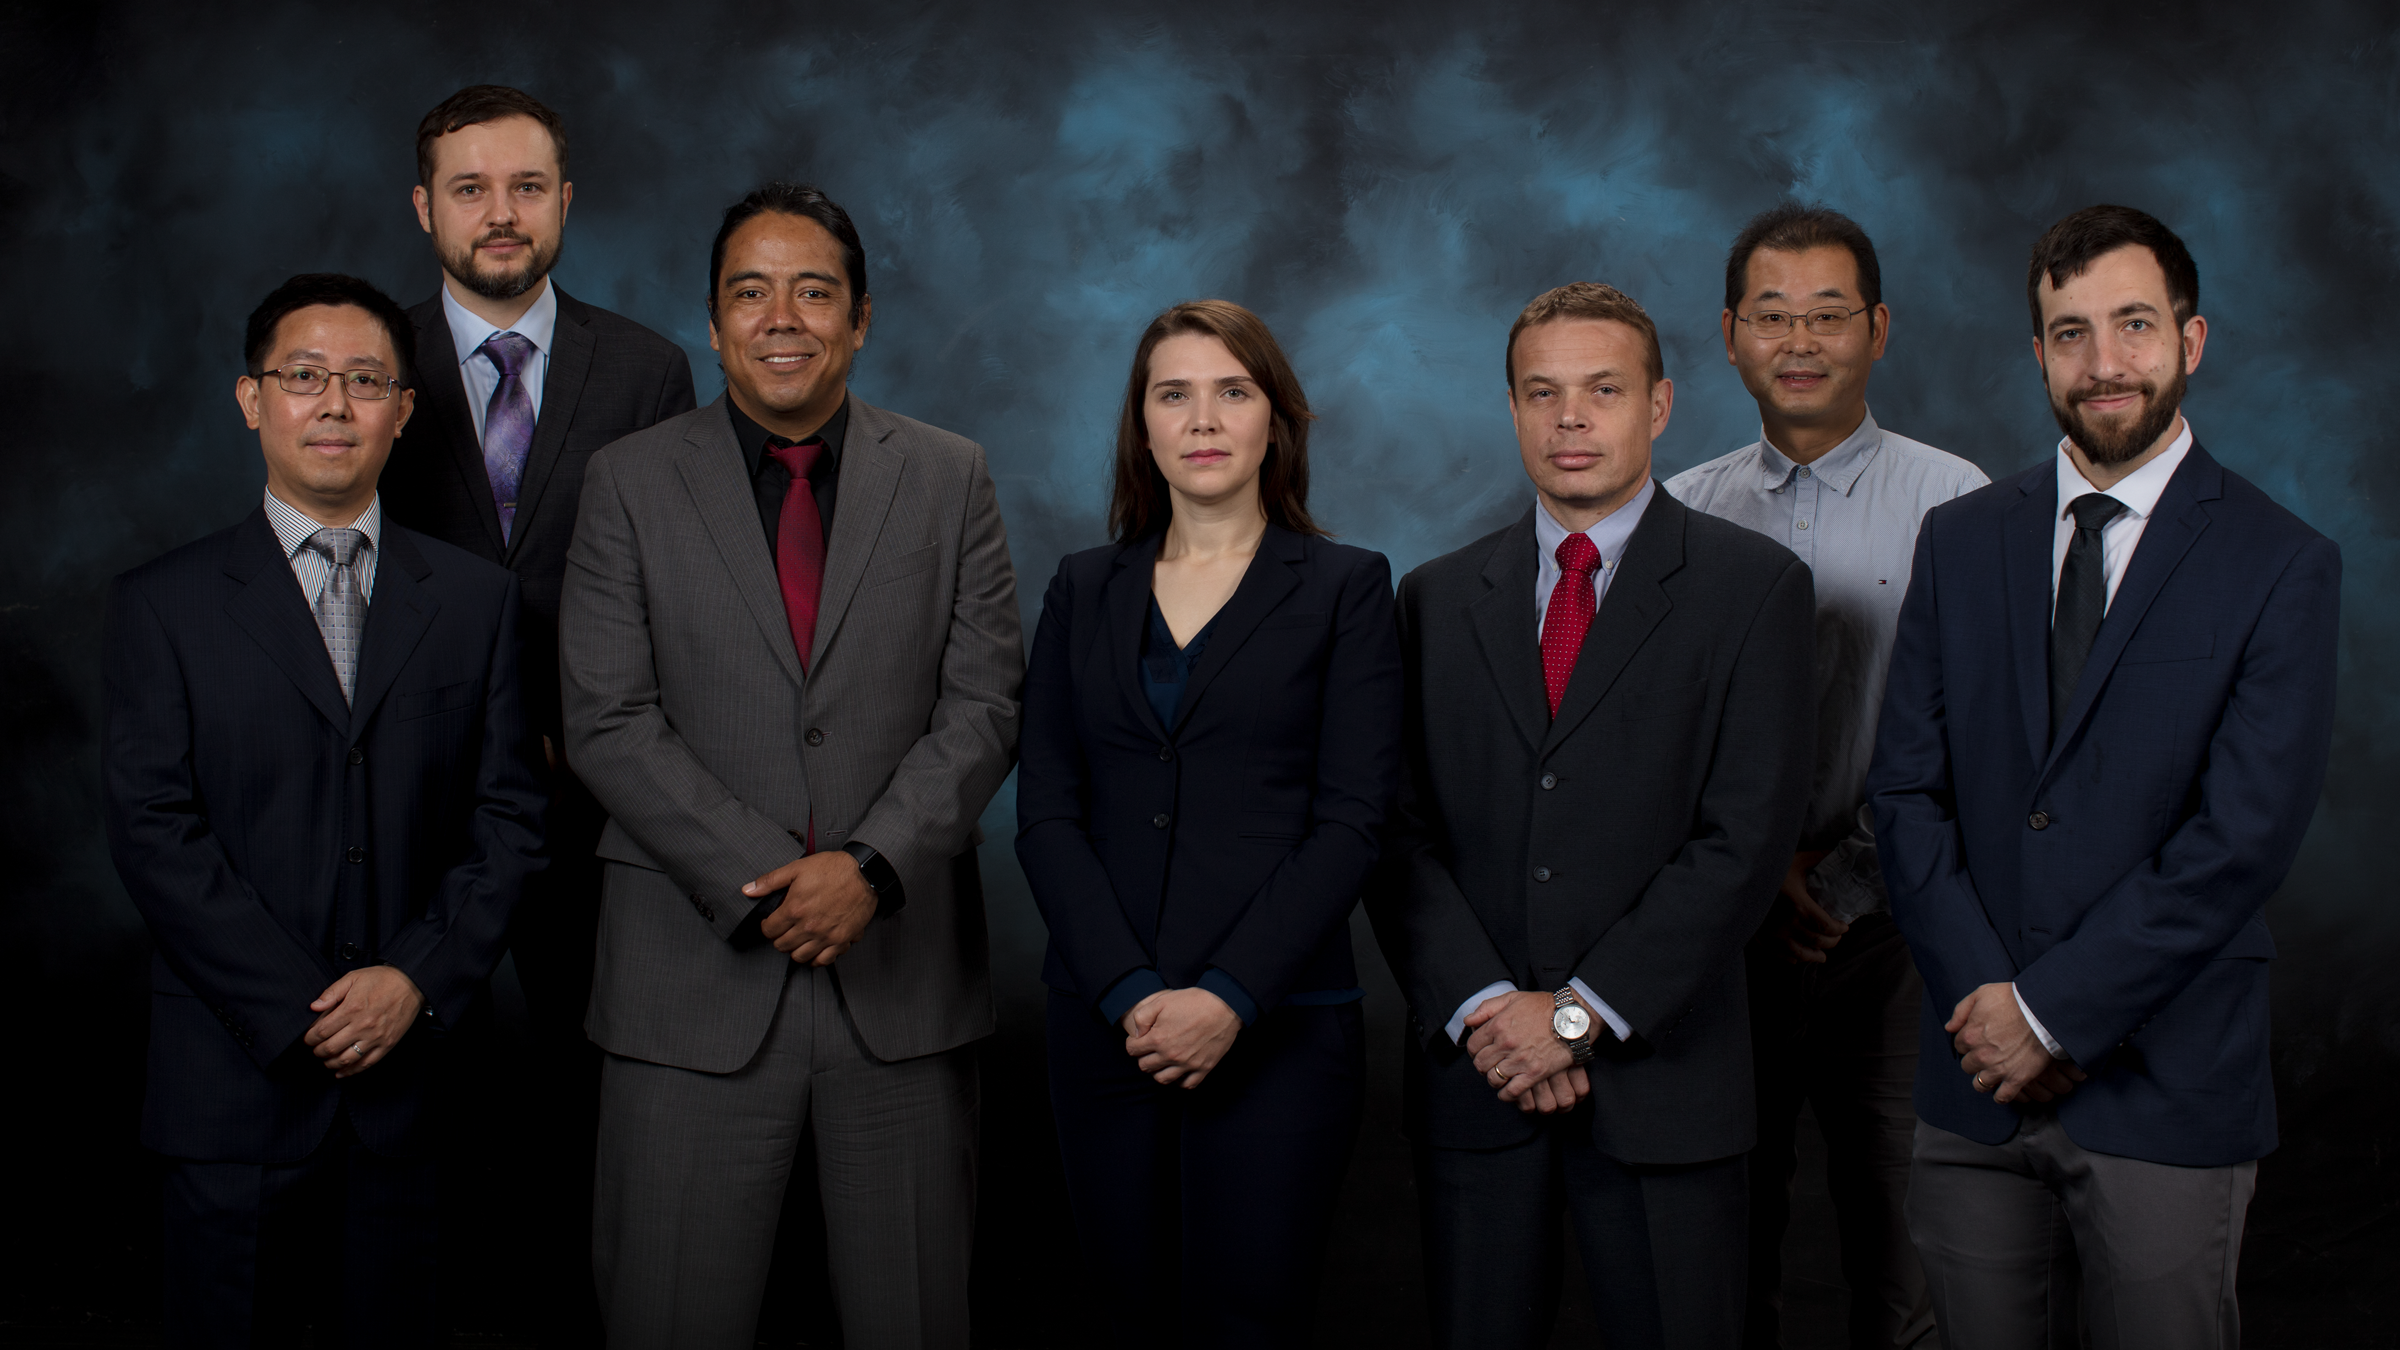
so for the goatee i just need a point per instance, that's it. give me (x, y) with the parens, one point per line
(497, 285)
(2115, 443)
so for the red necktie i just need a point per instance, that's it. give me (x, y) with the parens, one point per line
(799, 542)
(1569, 617)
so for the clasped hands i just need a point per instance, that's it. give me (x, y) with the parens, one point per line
(1519, 1055)
(827, 904)
(361, 1017)
(1997, 1046)
(1179, 1035)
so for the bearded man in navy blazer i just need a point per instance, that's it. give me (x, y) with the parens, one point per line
(321, 797)
(2107, 721)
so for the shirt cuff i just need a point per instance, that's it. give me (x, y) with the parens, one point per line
(1456, 1027)
(1125, 993)
(1619, 1025)
(750, 933)
(2040, 1032)
(1226, 987)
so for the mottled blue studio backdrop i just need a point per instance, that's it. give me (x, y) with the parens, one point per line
(1387, 183)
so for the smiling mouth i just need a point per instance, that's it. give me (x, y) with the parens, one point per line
(785, 362)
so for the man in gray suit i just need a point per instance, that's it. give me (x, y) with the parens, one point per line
(791, 660)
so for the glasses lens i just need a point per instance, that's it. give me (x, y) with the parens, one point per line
(301, 380)
(364, 384)
(1828, 321)
(1768, 323)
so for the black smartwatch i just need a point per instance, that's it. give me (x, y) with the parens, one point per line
(879, 874)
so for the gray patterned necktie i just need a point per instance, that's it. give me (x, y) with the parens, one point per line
(507, 423)
(341, 607)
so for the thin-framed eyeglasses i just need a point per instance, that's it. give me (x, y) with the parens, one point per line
(1774, 323)
(310, 381)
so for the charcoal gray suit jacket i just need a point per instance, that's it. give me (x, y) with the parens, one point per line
(690, 718)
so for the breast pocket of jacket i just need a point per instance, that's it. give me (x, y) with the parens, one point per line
(902, 567)
(434, 702)
(1660, 702)
(1272, 827)
(2161, 648)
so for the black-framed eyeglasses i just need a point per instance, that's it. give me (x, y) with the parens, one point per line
(310, 381)
(1774, 323)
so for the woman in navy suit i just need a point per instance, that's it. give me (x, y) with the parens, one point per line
(1211, 743)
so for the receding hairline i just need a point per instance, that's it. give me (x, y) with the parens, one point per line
(557, 167)
(391, 362)
(1640, 339)
(1856, 289)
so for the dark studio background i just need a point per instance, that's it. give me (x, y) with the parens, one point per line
(1387, 184)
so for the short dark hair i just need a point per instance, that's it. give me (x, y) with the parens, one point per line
(2066, 250)
(328, 288)
(807, 202)
(1587, 300)
(1790, 227)
(479, 103)
(1138, 504)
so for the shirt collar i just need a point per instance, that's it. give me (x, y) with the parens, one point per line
(753, 438)
(293, 529)
(2139, 490)
(1840, 466)
(1609, 535)
(469, 330)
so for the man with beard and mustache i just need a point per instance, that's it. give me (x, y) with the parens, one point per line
(522, 382)
(2106, 722)
(1833, 997)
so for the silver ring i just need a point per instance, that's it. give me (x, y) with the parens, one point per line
(359, 1048)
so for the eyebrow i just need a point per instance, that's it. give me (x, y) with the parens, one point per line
(1826, 293)
(475, 175)
(756, 274)
(312, 357)
(2125, 310)
(1222, 381)
(1534, 377)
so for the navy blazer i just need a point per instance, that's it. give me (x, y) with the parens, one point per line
(1238, 838)
(275, 839)
(2115, 872)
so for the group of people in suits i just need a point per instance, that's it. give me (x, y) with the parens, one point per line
(1824, 774)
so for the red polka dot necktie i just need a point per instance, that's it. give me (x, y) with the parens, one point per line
(1572, 603)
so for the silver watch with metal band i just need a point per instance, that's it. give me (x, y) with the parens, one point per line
(1574, 1024)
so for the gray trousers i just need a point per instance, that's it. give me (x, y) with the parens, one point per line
(692, 1168)
(2016, 1236)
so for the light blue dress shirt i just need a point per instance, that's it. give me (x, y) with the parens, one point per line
(468, 332)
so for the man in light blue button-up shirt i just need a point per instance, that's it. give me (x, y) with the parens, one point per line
(1833, 995)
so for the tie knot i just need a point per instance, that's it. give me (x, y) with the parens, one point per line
(2093, 510)
(801, 458)
(338, 546)
(508, 351)
(1578, 555)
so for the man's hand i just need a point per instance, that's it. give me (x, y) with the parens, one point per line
(1516, 1051)
(1179, 1035)
(1812, 931)
(826, 905)
(361, 1016)
(1999, 1049)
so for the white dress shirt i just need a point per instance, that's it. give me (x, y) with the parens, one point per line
(293, 530)
(1609, 535)
(2140, 491)
(469, 331)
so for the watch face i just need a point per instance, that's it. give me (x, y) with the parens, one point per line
(1571, 1023)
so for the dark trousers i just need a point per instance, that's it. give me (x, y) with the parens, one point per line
(1841, 1037)
(1661, 1245)
(1208, 1207)
(344, 1239)
(551, 939)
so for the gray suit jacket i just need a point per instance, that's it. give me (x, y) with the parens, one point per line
(688, 715)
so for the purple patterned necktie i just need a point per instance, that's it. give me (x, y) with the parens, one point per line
(507, 423)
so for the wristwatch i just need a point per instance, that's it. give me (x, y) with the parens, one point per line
(1572, 1023)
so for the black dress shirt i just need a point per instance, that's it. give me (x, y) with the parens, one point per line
(769, 480)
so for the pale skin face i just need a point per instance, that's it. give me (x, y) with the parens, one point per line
(325, 452)
(2105, 336)
(782, 326)
(1586, 411)
(1811, 388)
(497, 211)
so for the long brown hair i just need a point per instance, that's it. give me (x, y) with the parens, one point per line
(1138, 504)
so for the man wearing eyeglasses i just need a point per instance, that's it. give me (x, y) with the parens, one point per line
(320, 795)
(1833, 995)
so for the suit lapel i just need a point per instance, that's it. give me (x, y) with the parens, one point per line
(1265, 582)
(1634, 605)
(1126, 601)
(1503, 621)
(2029, 529)
(446, 390)
(2174, 527)
(710, 462)
(571, 347)
(870, 476)
(270, 608)
(397, 616)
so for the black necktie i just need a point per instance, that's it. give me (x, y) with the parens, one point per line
(2082, 599)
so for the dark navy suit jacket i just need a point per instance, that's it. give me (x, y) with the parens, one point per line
(1238, 838)
(275, 839)
(2115, 871)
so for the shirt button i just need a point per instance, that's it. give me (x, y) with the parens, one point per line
(1541, 874)
(2039, 820)
(1549, 780)
(1804, 473)
(357, 756)
(1160, 820)
(357, 854)
(349, 951)
(1165, 753)
(1804, 524)
(814, 737)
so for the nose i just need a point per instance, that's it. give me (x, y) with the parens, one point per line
(784, 315)
(1800, 341)
(1571, 414)
(334, 404)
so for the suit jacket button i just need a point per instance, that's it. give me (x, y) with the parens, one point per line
(349, 951)
(2039, 820)
(1541, 874)
(1160, 820)
(705, 911)
(357, 756)
(357, 854)
(814, 737)
(1549, 780)
(1165, 753)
